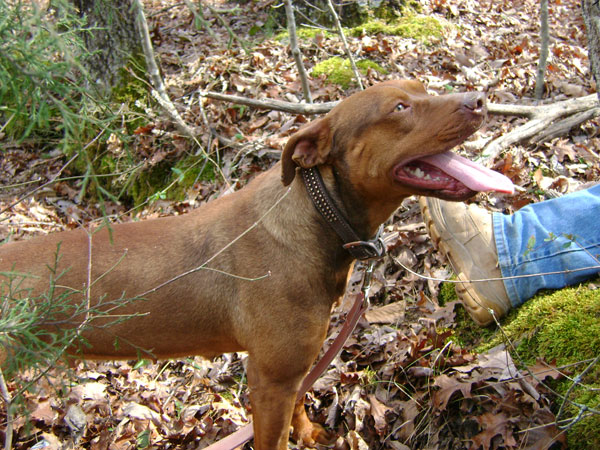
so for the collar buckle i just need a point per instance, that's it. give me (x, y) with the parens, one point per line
(368, 250)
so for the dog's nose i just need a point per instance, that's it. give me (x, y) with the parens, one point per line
(474, 101)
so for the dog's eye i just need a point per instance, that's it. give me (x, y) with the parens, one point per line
(401, 107)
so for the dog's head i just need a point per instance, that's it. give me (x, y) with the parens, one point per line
(393, 140)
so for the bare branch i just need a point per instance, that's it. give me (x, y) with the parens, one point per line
(8, 431)
(160, 92)
(545, 38)
(540, 126)
(274, 105)
(296, 53)
(561, 128)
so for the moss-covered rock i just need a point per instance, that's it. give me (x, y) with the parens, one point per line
(339, 70)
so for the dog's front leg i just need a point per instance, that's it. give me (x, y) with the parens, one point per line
(272, 397)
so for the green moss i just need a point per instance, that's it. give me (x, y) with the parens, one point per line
(421, 28)
(132, 92)
(339, 71)
(170, 181)
(187, 172)
(562, 326)
(150, 182)
(447, 293)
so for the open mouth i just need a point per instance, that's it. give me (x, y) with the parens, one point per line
(451, 176)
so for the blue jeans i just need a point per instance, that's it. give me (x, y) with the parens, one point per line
(559, 235)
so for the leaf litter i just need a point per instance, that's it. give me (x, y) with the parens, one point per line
(402, 381)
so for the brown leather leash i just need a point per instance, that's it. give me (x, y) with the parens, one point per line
(360, 305)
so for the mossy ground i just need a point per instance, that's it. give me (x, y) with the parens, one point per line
(339, 70)
(559, 326)
(412, 26)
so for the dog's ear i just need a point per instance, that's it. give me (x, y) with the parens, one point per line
(306, 148)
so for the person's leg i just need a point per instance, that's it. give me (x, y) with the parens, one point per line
(465, 234)
(559, 236)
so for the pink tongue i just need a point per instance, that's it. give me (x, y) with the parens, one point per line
(474, 176)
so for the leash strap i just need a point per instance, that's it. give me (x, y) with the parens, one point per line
(360, 305)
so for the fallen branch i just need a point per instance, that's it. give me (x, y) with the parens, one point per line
(560, 109)
(273, 105)
(545, 122)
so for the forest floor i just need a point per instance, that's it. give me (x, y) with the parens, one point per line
(402, 381)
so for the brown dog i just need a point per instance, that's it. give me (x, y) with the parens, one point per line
(259, 270)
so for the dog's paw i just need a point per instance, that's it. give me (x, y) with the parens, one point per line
(309, 434)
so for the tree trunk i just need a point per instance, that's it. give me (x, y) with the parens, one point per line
(591, 16)
(112, 40)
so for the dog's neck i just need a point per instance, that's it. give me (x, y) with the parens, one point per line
(355, 242)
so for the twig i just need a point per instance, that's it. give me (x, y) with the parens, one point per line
(33, 191)
(487, 280)
(159, 92)
(345, 43)
(576, 381)
(55, 177)
(291, 23)
(8, 431)
(545, 38)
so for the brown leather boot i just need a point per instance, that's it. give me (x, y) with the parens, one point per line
(465, 235)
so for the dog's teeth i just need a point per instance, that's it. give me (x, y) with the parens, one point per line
(418, 173)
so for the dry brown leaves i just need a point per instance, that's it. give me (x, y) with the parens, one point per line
(401, 382)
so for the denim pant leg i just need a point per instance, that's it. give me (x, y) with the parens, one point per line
(562, 234)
